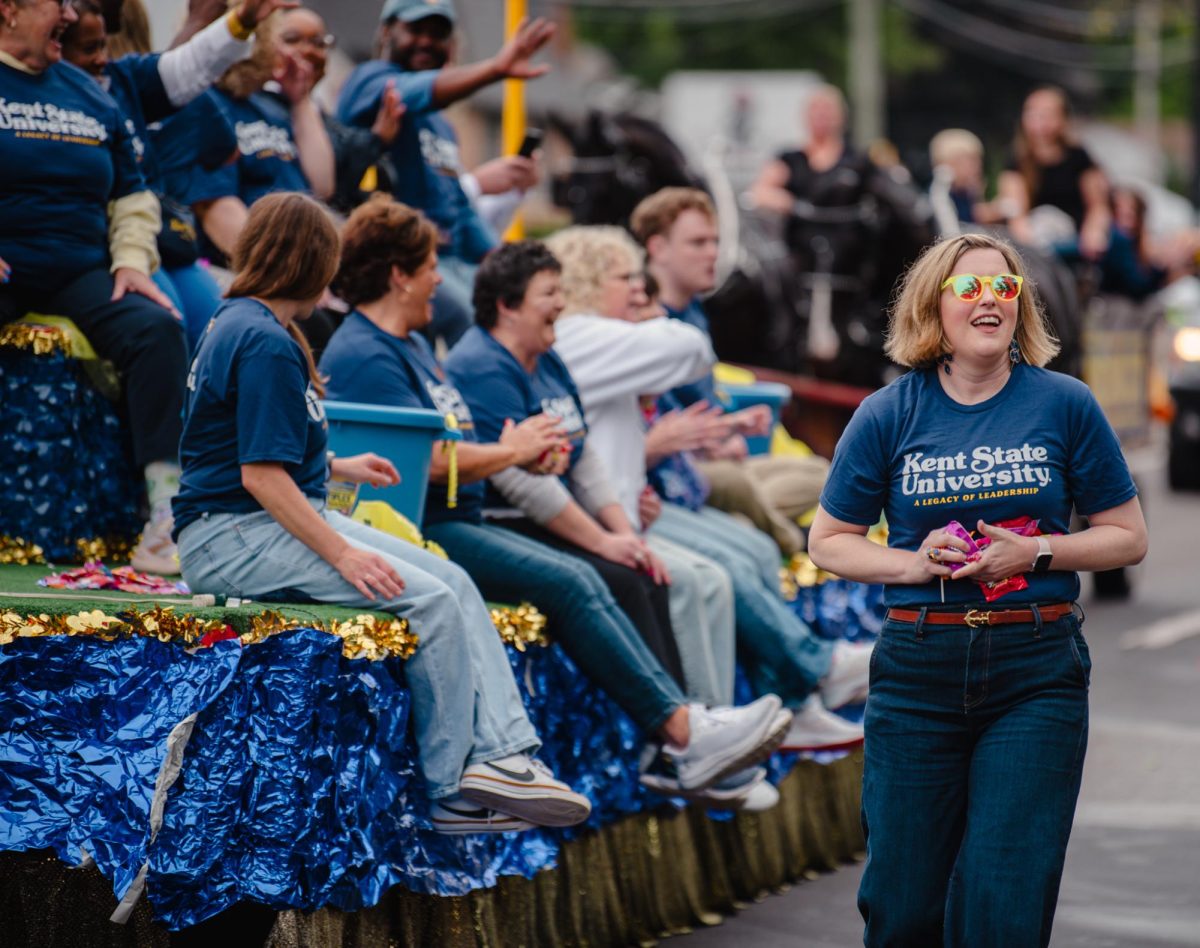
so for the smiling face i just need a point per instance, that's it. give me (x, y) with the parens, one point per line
(36, 40)
(1044, 117)
(531, 325)
(86, 46)
(425, 44)
(420, 288)
(622, 289)
(978, 333)
(303, 33)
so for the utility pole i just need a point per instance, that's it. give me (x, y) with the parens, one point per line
(864, 71)
(1147, 54)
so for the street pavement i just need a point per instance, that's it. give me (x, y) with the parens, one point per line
(1132, 877)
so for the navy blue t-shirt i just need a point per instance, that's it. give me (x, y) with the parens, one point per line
(693, 314)
(425, 154)
(135, 82)
(1035, 448)
(497, 387)
(65, 152)
(268, 158)
(194, 142)
(365, 364)
(249, 400)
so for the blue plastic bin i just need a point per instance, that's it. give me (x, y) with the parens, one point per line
(774, 394)
(404, 436)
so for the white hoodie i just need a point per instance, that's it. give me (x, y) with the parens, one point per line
(613, 363)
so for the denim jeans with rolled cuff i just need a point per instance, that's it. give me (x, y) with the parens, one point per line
(465, 705)
(974, 754)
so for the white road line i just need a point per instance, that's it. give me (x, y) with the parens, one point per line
(1164, 633)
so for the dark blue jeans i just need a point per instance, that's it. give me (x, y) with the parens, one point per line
(974, 753)
(583, 616)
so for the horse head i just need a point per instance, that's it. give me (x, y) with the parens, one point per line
(617, 160)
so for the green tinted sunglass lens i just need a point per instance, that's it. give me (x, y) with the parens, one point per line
(967, 287)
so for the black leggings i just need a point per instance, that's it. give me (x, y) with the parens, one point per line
(646, 603)
(141, 338)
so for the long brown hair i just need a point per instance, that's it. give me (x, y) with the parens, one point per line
(1027, 164)
(288, 250)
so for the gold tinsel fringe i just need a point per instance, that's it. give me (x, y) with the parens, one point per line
(631, 883)
(520, 626)
(16, 551)
(40, 340)
(364, 636)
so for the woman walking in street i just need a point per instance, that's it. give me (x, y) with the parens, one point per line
(977, 718)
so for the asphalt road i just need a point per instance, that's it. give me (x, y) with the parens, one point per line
(1132, 877)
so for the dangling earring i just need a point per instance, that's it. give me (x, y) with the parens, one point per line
(1014, 351)
(944, 361)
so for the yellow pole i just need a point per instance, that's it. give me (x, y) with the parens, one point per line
(512, 127)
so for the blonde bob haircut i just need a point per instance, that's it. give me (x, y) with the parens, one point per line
(915, 336)
(588, 255)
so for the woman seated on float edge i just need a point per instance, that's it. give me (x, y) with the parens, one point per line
(77, 239)
(251, 521)
(389, 274)
(977, 722)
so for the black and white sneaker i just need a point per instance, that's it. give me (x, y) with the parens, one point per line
(525, 788)
(729, 793)
(458, 817)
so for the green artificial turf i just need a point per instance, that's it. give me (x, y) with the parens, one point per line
(18, 582)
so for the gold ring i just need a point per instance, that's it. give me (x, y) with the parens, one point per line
(933, 554)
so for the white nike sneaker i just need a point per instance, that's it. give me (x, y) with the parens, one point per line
(458, 817)
(814, 728)
(726, 740)
(524, 787)
(726, 794)
(848, 675)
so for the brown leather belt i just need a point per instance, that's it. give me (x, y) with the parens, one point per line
(975, 618)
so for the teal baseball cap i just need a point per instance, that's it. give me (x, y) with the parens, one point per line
(409, 11)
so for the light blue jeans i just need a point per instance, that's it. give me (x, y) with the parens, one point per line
(465, 704)
(779, 651)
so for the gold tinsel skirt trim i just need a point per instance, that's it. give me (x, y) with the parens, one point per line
(631, 883)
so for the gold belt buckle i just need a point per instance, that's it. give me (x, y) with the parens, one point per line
(974, 618)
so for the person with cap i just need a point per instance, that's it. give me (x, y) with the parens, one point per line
(416, 41)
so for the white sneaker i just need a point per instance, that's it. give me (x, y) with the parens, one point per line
(762, 797)
(726, 794)
(457, 817)
(814, 728)
(726, 740)
(848, 675)
(156, 551)
(525, 788)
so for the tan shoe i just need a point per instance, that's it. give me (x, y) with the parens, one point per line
(156, 552)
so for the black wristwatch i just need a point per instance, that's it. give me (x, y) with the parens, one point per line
(1041, 562)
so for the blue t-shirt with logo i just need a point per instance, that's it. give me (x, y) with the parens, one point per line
(268, 159)
(497, 387)
(365, 364)
(135, 82)
(65, 152)
(192, 143)
(425, 154)
(249, 400)
(1036, 448)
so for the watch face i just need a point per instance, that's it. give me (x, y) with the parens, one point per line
(1042, 563)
